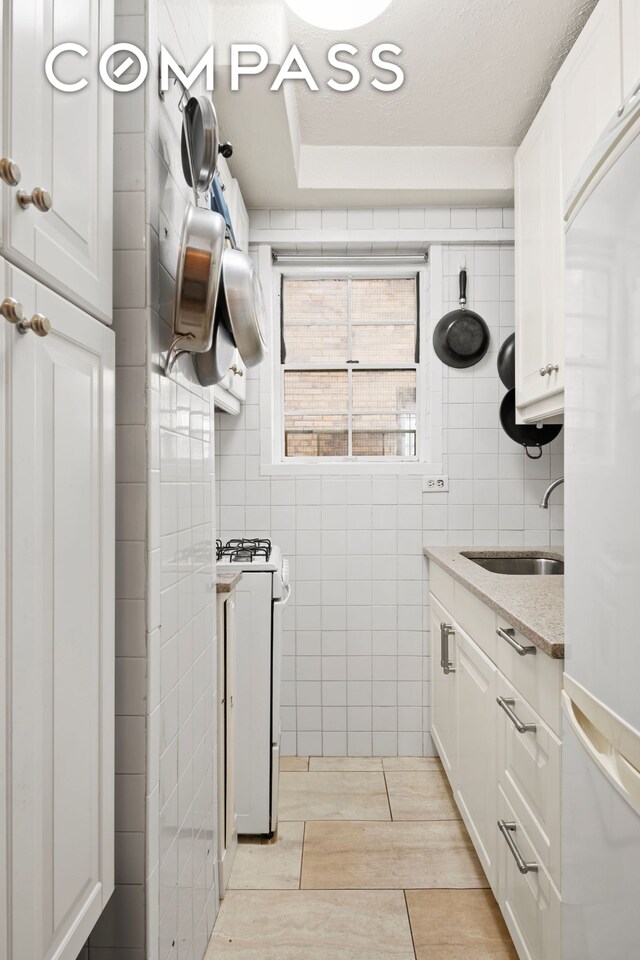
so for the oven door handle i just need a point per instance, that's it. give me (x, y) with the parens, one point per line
(286, 597)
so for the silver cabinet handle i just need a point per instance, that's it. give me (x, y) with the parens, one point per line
(13, 312)
(41, 199)
(506, 828)
(543, 371)
(235, 369)
(507, 705)
(509, 636)
(446, 630)
(9, 172)
(552, 368)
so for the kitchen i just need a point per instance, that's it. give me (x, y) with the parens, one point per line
(330, 299)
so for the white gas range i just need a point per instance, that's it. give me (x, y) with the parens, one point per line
(261, 598)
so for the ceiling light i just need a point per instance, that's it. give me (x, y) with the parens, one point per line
(338, 14)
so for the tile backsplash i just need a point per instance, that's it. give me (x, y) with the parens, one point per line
(166, 897)
(356, 659)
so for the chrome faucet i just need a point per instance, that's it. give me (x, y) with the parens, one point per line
(544, 503)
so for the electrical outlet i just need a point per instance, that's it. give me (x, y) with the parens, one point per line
(435, 484)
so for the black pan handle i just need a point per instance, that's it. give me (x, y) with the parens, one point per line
(463, 288)
(535, 446)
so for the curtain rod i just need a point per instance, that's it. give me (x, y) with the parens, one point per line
(392, 258)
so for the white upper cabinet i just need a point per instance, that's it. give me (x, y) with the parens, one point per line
(630, 13)
(590, 87)
(584, 96)
(59, 403)
(539, 252)
(63, 144)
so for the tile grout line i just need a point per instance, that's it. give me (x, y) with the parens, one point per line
(413, 942)
(386, 787)
(304, 837)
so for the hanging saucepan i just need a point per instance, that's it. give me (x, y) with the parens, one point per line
(461, 338)
(242, 306)
(507, 362)
(197, 282)
(527, 435)
(200, 134)
(212, 367)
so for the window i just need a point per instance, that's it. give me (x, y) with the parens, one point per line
(350, 353)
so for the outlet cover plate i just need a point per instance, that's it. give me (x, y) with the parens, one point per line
(435, 484)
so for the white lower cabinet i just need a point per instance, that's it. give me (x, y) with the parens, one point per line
(476, 753)
(57, 415)
(529, 901)
(443, 687)
(495, 723)
(226, 682)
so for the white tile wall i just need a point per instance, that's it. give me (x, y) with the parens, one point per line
(356, 664)
(166, 897)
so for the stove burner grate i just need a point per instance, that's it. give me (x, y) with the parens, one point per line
(244, 549)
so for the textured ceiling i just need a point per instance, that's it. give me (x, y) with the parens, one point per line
(476, 74)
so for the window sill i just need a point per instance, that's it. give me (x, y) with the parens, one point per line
(368, 467)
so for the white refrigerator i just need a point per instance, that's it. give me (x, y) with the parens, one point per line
(601, 700)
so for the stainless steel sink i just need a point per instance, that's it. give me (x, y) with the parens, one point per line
(521, 566)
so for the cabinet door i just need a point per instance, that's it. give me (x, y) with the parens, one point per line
(529, 902)
(63, 143)
(60, 517)
(227, 827)
(443, 689)
(476, 784)
(630, 14)
(539, 251)
(590, 87)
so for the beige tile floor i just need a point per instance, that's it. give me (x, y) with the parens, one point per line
(371, 862)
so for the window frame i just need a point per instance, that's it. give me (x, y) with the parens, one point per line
(333, 465)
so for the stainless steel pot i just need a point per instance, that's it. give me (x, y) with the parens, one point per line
(197, 282)
(213, 366)
(243, 302)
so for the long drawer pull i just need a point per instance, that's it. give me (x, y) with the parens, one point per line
(446, 631)
(506, 828)
(510, 636)
(508, 705)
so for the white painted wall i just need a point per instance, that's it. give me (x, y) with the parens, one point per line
(356, 666)
(166, 898)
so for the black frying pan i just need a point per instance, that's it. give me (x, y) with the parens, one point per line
(461, 338)
(507, 362)
(526, 434)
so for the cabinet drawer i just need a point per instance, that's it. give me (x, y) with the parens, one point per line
(537, 677)
(477, 619)
(529, 902)
(529, 773)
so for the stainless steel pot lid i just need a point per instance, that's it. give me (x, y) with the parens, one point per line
(245, 308)
(200, 125)
(198, 277)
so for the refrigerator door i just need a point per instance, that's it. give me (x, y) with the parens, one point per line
(601, 841)
(602, 437)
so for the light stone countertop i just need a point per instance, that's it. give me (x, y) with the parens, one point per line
(227, 580)
(534, 605)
